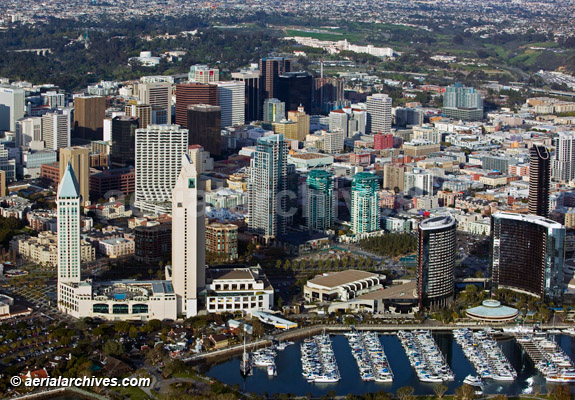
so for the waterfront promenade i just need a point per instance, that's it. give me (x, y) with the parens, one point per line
(298, 333)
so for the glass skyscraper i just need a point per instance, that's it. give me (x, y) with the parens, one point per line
(528, 254)
(319, 200)
(267, 186)
(364, 203)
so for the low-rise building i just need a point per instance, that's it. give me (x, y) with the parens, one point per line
(244, 289)
(117, 247)
(43, 249)
(342, 286)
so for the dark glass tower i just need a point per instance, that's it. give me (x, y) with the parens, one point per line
(295, 89)
(123, 151)
(527, 254)
(204, 126)
(539, 177)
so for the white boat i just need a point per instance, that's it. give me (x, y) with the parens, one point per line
(563, 376)
(272, 370)
(474, 381)
(326, 379)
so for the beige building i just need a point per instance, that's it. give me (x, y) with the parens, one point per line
(188, 240)
(394, 176)
(142, 111)
(570, 218)
(43, 249)
(117, 247)
(289, 129)
(79, 157)
(158, 95)
(418, 148)
(302, 120)
(3, 190)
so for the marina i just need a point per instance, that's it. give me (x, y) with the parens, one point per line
(549, 358)
(318, 360)
(289, 377)
(370, 357)
(487, 358)
(425, 356)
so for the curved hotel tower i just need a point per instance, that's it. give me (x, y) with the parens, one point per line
(436, 261)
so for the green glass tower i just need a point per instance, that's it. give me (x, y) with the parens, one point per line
(364, 203)
(319, 201)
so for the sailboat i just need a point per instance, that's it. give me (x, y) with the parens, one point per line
(246, 362)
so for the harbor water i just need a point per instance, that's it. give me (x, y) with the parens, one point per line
(289, 377)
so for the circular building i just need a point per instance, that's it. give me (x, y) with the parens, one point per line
(492, 311)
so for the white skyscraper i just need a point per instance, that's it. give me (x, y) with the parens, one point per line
(159, 152)
(564, 159)
(267, 179)
(378, 113)
(56, 130)
(203, 74)
(28, 130)
(68, 202)
(232, 100)
(188, 239)
(418, 182)
(11, 107)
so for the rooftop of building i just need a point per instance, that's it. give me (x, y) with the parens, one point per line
(342, 278)
(126, 290)
(225, 273)
(492, 309)
(308, 156)
(442, 221)
(405, 291)
(535, 219)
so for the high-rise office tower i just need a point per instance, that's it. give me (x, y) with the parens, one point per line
(191, 94)
(436, 250)
(7, 164)
(338, 121)
(302, 120)
(11, 107)
(123, 149)
(200, 158)
(267, 181)
(89, 114)
(159, 96)
(328, 94)
(408, 116)
(539, 178)
(319, 211)
(231, 99)
(564, 159)
(270, 70)
(141, 111)
(378, 113)
(56, 129)
(251, 79)
(394, 177)
(462, 102)
(418, 182)
(364, 203)
(159, 152)
(203, 74)
(295, 89)
(28, 130)
(188, 239)
(204, 127)
(79, 159)
(528, 254)
(68, 202)
(274, 110)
